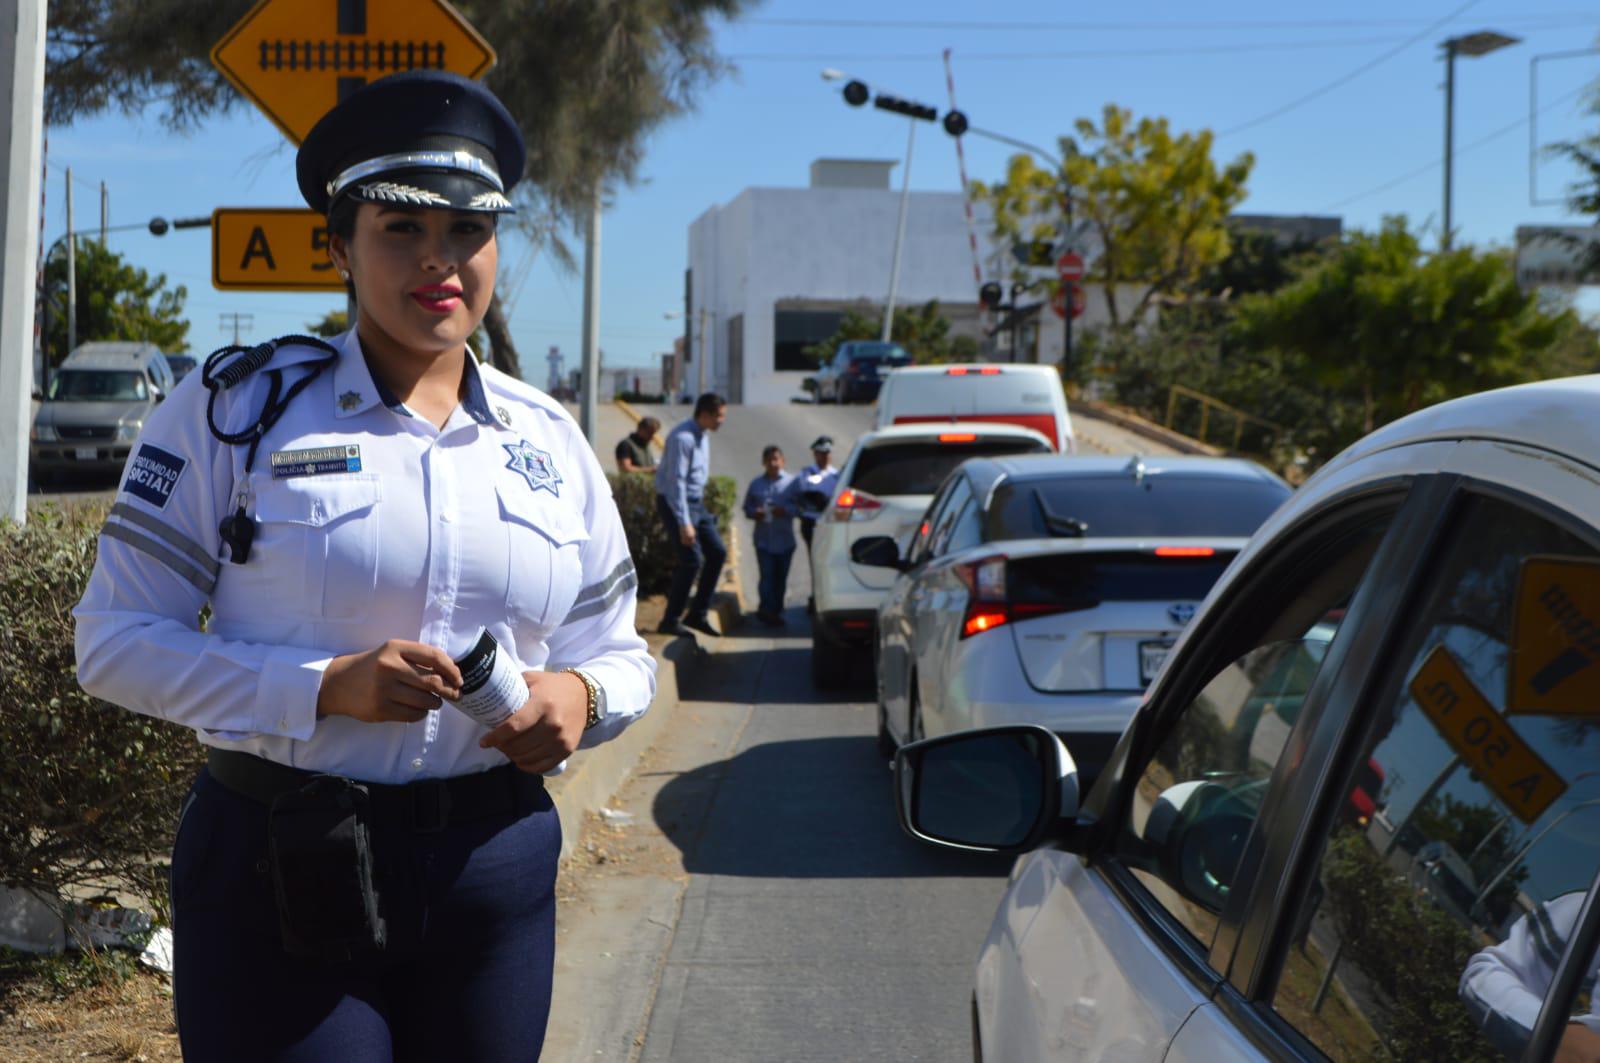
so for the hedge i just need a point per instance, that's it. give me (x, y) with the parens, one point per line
(90, 795)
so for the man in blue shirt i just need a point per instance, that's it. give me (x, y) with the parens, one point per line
(680, 500)
(770, 502)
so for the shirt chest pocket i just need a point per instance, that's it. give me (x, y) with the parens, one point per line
(327, 526)
(545, 538)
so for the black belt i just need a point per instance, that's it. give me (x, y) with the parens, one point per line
(425, 806)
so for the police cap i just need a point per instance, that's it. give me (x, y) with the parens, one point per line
(427, 138)
(822, 443)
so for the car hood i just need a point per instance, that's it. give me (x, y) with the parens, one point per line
(71, 414)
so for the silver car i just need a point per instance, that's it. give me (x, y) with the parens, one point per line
(1358, 814)
(96, 405)
(1048, 589)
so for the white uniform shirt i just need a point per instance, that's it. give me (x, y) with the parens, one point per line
(501, 519)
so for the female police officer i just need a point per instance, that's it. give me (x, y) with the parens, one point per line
(362, 872)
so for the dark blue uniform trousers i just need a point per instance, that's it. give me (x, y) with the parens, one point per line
(704, 559)
(466, 974)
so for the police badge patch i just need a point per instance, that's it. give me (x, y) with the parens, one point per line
(534, 465)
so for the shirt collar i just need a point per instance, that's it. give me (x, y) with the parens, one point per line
(356, 390)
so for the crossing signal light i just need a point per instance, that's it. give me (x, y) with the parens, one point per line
(909, 108)
(855, 94)
(955, 123)
(990, 295)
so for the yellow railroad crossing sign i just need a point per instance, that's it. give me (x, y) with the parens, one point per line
(1483, 738)
(1555, 638)
(295, 59)
(271, 249)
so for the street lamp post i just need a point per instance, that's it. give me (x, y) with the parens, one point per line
(1473, 45)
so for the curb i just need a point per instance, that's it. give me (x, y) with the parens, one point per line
(593, 775)
(1139, 426)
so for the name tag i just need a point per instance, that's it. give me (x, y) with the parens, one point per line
(315, 461)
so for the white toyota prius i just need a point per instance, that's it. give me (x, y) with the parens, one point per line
(1358, 814)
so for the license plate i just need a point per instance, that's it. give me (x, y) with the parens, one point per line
(1152, 655)
(85, 453)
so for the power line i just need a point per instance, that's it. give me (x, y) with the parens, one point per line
(1278, 112)
(1096, 53)
(1542, 20)
(1436, 163)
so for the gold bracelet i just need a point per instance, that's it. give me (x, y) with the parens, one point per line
(593, 691)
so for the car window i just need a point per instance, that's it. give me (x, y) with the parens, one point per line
(95, 385)
(919, 542)
(1166, 504)
(1435, 922)
(919, 467)
(959, 500)
(1200, 793)
(967, 529)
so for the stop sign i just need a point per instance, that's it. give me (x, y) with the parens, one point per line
(1058, 301)
(1069, 267)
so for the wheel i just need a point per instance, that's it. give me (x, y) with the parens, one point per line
(826, 673)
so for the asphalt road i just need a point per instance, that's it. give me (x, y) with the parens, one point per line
(754, 898)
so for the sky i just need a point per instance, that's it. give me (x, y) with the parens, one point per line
(1341, 105)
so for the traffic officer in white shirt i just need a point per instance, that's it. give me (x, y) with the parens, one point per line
(388, 536)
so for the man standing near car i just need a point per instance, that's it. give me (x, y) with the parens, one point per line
(819, 478)
(769, 502)
(680, 500)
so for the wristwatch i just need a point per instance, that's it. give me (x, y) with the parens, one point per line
(595, 696)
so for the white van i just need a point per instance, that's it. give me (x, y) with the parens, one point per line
(1026, 395)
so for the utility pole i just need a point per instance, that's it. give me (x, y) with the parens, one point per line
(229, 319)
(1449, 134)
(703, 353)
(899, 231)
(105, 212)
(590, 378)
(72, 273)
(22, 108)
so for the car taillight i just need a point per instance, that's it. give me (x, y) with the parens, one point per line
(1185, 551)
(989, 604)
(958, 437)
(966, 370)
(855, 505)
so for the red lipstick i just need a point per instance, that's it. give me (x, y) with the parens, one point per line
(437, 298)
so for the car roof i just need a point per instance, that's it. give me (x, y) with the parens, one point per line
(985, 473)
(931, 430)
(1552, 415)
(110, 354)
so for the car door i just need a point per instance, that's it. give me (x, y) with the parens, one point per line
(929, 608)
(1459, 920)
(948, 579)
(1108, 956)
(896, 619)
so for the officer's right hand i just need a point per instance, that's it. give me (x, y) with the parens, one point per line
(398, 682)
(686, 534)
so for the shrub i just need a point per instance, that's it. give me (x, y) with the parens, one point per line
(90, 797)
(655, 555)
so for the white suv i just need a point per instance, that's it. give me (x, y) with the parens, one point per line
(883, 489)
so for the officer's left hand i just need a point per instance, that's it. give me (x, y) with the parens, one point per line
(545, 731)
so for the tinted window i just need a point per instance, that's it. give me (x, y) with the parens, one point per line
(1169, 504)
(1433, 925)
(1084, 581)
(181, 365)
(795, 330)
(92, 385)
(919, 468)
(888, 354)
(1198, 797)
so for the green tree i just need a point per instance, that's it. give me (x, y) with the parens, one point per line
(1584, 196)
(588, 80)
(1156, 202)
(330, 324)
(922, 330)
(116, 301)
(1389, 330)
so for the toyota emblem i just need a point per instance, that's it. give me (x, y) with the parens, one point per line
(1181, 613)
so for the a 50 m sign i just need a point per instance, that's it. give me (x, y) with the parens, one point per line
(271, 249)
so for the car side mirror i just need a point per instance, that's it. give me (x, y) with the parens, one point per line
(997, 790)
(879, 551)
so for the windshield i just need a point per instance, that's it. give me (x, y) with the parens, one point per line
(98, 385)
(1164, 505)
(181, 365)
(919, 468)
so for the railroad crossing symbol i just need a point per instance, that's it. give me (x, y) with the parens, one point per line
(1555, 638)
(295, 59)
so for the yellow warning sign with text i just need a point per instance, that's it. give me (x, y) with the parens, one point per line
(1555, 638)
(271, 249)
(1483, 738)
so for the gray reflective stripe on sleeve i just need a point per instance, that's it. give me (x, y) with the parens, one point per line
(596, 606)
(173, 561)
(169, 535)
(604, 587)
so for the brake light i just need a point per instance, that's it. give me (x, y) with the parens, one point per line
(855, 505)
(956, 370)
(981, 370)
(986, 595)
(1185, 551)
(989, 370)
(958, 437)
(979, 621)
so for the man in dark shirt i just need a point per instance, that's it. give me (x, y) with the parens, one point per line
(633, 453)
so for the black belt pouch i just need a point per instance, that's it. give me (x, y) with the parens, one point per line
(320, 842)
